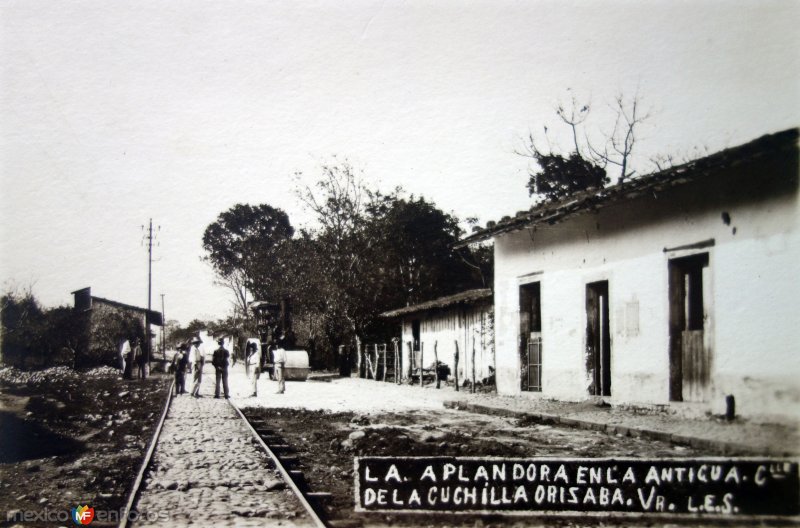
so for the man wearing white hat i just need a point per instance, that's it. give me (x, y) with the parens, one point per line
(196, 360)
(253, 364)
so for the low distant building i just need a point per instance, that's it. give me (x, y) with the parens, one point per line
(677, 288)
(464, 321)
(108, 323)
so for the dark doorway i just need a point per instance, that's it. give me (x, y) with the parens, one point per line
(415, 326)
(598, 339)
(413, 360)
(689, 358)
(530, 325)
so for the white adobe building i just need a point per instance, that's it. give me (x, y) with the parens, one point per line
(677, 288)
(461, 322)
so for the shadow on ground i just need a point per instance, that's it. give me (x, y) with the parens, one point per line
(24, 440)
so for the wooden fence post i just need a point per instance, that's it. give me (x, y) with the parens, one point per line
(384, 362)
(421, 364)
(375, 366)
(473, 363)
(396, 363)
(410, 366)
(455, 360)
(368, 362)
(359, 361)
(436, 363)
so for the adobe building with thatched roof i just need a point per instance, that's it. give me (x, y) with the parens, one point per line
(676, 289)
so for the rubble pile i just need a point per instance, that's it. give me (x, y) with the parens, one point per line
(15, 376)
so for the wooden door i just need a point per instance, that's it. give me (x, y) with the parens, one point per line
(598, 339)
(690, 357)
(530, 337)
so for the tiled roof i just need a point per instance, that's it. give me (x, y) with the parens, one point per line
(594, 199)
(466, 297)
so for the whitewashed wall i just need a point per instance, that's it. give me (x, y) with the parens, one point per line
(451, 325)
(751, 290)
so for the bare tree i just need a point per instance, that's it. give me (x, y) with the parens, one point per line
(619, 144)
(235, 281)
(588, 162)
(339, 201)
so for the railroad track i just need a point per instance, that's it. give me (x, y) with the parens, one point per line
(287, 463)
(203, 447)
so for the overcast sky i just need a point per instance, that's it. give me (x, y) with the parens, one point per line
(112, 113)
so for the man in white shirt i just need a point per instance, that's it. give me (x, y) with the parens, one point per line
(196, 360)
(124, 354)
(253, 362)
(280, 362)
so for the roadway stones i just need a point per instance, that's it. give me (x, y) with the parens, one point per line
(207, 470)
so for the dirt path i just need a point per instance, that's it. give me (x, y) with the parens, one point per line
(70, 438)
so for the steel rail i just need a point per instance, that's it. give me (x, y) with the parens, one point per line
(282, 470)
(137, 484)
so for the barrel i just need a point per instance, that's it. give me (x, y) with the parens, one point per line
(296, 367)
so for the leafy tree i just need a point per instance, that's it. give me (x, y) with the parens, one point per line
(62, 339)
(170, 327)
(369, 252)
(179, 334)
(109, 327)
(341, 249)
(414, 242)
(21, 315)
(34, 337)
(374, 252)
(563, 176)
(241, 246)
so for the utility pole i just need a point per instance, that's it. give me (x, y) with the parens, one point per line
(163, 330)
(148, 343)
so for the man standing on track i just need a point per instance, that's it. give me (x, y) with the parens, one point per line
(196, 360)
(220, 362)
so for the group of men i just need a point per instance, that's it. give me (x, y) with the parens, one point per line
(190, 358)
(132, 360)
(253, 366)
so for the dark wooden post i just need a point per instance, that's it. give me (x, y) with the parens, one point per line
(359, 362)
(410, 366)
(421, 364)
(436, 363)
(455, 360)
(396, 362)
(730, 407)
(368, 362)
(473, 363)
(375, 366)
(384, 361)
